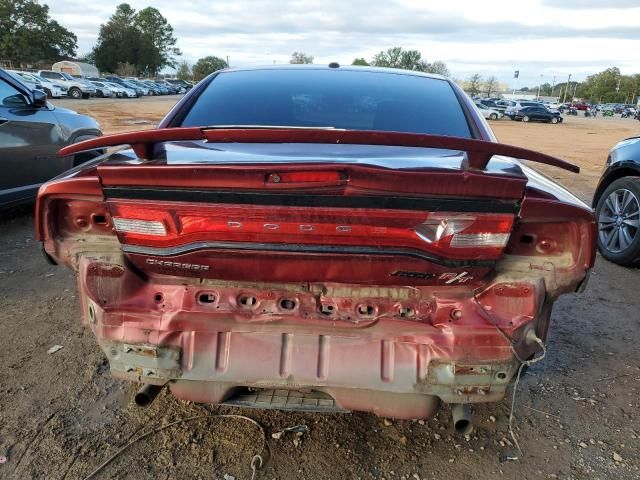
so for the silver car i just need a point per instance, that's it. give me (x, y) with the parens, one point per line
(489, 113)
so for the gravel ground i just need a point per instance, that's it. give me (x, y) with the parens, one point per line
(61, 415)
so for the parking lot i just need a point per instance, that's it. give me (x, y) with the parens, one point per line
(577, 412)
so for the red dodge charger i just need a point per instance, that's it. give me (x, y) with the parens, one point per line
(318, 238)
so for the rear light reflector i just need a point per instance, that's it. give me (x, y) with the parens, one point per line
(143, 227)
(479, 240)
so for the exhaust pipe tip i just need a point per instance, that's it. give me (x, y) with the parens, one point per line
(462, 420)
(146, 395)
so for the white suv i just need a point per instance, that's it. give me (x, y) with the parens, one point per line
(75, 88)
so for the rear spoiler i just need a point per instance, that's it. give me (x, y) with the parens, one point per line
(479, 152)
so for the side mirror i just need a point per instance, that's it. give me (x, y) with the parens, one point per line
(39, 99)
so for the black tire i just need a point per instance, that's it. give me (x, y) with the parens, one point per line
(48, 92)
(617, 216)
(99, 94)
(75, 93)
(493, 116)
(526, 118)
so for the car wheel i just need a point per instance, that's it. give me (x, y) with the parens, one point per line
(493, 116)
(554, 120)
(48, 92)
(618, 217)
(75, 92)
(525, 118)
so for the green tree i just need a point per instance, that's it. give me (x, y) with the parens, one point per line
(184, 71)
(610, 86)
(490, 85)
(300, 57)
(396, 57)
(121, 41)
(360, 61)
(473, 84)
(158, 30)
(207, 65)
(438, 67)
(126, 70)
(27, 34)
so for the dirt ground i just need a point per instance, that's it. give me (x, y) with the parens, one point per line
(577, 413)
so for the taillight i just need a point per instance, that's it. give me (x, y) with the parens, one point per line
(142, 227)
(459, 236)
(478, 233)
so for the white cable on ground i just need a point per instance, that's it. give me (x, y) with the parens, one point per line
(256, 462)
(523, 363)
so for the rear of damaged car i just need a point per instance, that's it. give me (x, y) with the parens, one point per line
(325, 239)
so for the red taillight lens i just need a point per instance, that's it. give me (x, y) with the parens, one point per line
(485, 233)
(444, 234)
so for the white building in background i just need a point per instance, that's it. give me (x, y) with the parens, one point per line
(528, 95)
(76, 68)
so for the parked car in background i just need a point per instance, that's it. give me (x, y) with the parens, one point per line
(53, 90)
(103, 90)
(182, 83)
(581, 105)
(152, 90)
(31, 133)
(501, 105)
(486, 102)
(489, 113)
(31, 82)
(157, 89)
(125, 91)
(537, 114)
(126, 84)
(75, 88)
(515, 106)
(173, 89)
(351, 243)
(617, 204)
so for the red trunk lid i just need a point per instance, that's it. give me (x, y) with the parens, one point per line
(331, 218)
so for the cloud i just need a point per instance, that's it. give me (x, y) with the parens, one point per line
(591, 4)
(488, 35)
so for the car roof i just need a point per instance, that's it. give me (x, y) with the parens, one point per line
(356, 68)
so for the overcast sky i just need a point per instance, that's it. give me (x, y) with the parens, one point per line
(490, 37)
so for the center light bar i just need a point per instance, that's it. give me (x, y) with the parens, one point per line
(448, 235)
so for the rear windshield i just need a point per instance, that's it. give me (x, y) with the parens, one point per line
(343, 99)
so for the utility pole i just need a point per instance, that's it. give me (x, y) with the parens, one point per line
(553, 85)
(566, 88)
(539, 86)
(227, 61)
